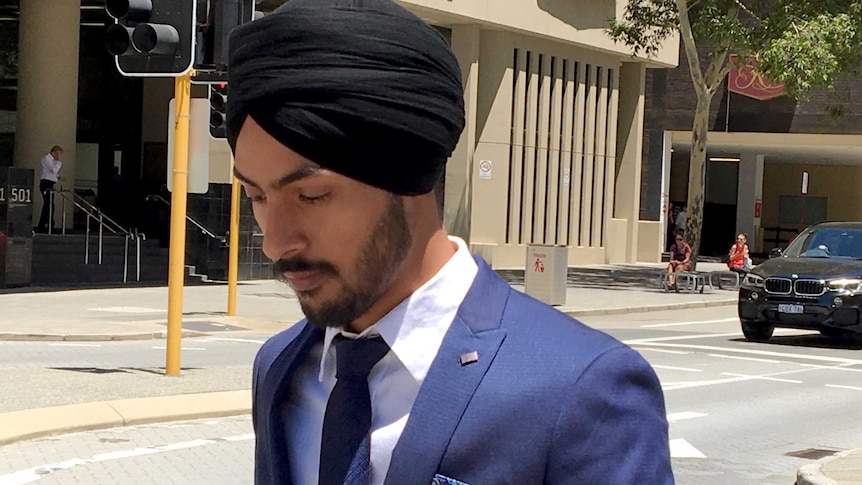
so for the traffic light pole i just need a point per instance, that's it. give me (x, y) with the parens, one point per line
(176, 264)
(233, 247)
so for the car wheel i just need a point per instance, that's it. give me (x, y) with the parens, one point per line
(755, 332)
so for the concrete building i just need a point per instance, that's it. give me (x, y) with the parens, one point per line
(551, 153)
(760, 144)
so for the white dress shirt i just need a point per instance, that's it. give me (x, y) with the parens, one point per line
(50, 168)
(414, 331)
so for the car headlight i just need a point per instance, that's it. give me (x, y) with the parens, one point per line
(754, 280)
(851, 285)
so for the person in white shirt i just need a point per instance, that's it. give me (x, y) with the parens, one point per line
(681, 218)
(48, 176)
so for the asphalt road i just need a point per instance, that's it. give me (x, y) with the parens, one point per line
(741, 413)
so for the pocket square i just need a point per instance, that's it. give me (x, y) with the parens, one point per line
(444, 480)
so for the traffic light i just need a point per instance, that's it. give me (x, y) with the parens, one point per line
(221, 17)
(152, 37)
(218, 116)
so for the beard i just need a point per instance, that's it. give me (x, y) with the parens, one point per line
(379, 260)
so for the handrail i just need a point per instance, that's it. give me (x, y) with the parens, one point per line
(116, 227)
(207, 232)
(93, 212)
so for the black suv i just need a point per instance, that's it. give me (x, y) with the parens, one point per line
(816, 283)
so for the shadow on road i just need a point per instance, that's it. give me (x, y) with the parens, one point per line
(814, 340)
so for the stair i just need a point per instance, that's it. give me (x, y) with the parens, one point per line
(59, 260)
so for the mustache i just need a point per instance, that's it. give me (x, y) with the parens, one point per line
(281, 266)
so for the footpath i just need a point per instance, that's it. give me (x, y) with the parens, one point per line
(263, 308)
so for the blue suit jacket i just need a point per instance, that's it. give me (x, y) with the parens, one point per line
(550, 401)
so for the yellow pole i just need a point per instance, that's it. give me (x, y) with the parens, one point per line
(176, 264)
(233, 249)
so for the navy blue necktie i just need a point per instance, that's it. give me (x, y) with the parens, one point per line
(345, 452)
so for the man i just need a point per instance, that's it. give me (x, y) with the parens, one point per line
(416, 363)
(49, 175)
(681, 218)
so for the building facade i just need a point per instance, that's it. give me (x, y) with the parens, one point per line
(758, 149)
(551, 153)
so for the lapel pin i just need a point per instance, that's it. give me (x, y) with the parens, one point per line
(468, 358)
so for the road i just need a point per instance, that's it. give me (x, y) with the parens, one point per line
(740, 413)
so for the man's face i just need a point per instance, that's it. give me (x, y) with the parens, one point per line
(337, 242)
(56, 154)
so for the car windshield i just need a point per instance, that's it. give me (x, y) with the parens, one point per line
(827, 242)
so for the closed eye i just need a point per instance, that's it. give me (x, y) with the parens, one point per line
(313, 199)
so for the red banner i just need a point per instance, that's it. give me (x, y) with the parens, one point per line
(749, 83)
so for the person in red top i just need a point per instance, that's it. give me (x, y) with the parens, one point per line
(739, 258)
(680, 259)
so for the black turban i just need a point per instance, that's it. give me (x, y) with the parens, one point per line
(361, 87)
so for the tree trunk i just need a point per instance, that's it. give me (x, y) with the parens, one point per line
(697, 176)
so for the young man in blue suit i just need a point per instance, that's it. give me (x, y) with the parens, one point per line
(416, 363)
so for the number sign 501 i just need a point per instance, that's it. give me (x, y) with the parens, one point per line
(16, 195)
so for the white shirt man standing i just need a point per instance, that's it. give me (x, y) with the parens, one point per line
(48, 176)
(681, 218)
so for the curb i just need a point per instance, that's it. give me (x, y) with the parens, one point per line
(649, 308)
(40, 422)
(56, 337)
(812, 474)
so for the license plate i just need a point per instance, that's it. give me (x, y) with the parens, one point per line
(788, 308)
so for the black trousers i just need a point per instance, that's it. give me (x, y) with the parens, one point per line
(45, 188)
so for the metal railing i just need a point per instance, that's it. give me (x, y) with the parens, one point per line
(104, 223)
(204, 230)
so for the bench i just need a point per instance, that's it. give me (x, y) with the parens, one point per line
(732, 278)
(690, 281)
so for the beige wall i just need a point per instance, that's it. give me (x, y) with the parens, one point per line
(574, 22)
(552, 164)
(839, 183)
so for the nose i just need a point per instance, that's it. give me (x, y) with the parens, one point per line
(282, 231)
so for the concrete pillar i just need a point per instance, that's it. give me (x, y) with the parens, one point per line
(47, 103)
(457, 195)
(629, 152)
(749, 197)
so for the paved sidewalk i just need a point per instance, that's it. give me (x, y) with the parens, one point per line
(267, 307)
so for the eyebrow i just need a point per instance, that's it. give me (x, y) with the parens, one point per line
(295, 176)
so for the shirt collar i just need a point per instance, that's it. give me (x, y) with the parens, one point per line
(414, 329)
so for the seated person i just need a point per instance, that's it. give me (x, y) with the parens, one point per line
(680, 259)
(739, 260)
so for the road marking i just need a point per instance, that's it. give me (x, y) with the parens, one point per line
(761, 378)
(668, 367)
(681, 324)
(844, 387)
(833, 367)
(672, 386)
(75, 345)
(753, 359)
(127, 309)
(228, 339)
(680, 448)
(33, 474)
(184, 348)
(663, 351)
(837, 360)
(685, 415)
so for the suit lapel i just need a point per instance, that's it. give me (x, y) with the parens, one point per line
(275, 384)
(449, 385)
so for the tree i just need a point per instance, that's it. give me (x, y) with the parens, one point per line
(806, 44)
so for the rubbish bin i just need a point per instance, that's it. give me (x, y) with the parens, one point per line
(16, 226)
(545, 273)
